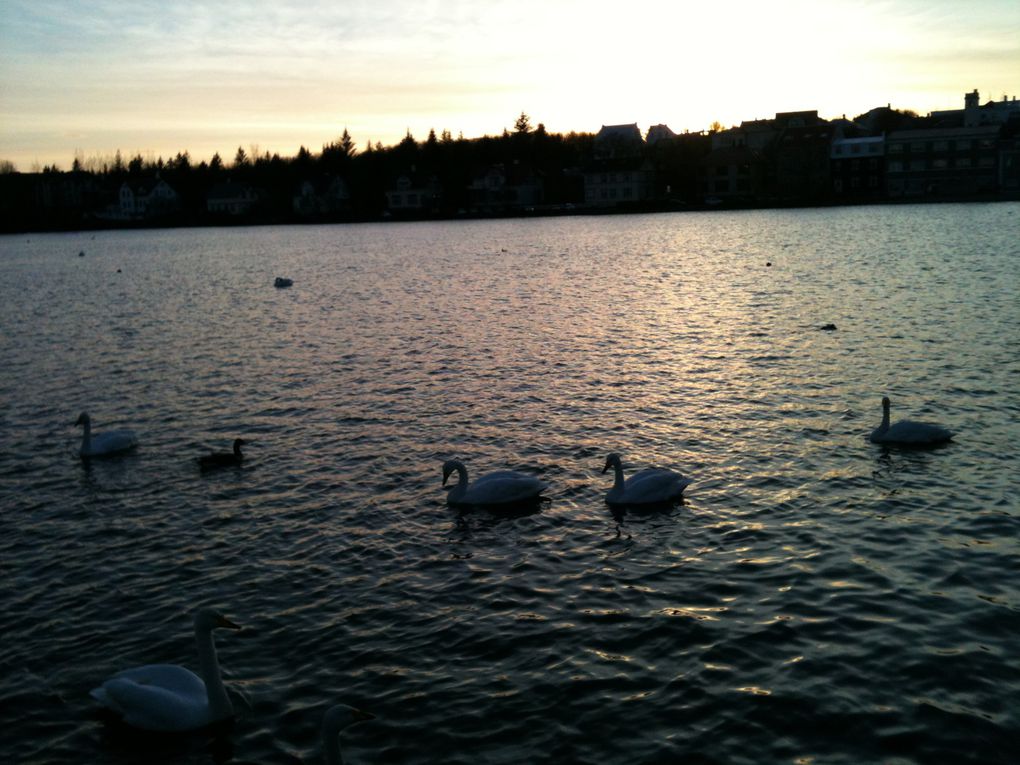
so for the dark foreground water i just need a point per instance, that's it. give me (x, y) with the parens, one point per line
(818, 599)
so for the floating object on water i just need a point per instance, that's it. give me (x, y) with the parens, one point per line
(652, 486)
(167, 697)
(103, 444)
(81, 253)
(503, 487)
(282, 281)
(223, 459)
(336, 719)
(906, 432)
(828, 327)
(768, 264)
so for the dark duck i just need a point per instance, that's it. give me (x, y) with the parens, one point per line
(223, 459)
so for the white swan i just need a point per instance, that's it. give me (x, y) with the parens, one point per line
(166, 697)
(648, 487)
(335, 720)
(503, 487)
(907, 433)
(104, 444)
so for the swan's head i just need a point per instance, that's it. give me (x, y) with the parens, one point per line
(611, 461)
(342, 716)
(208, 619)
(83, 419)
(239, 442)
(885, 403)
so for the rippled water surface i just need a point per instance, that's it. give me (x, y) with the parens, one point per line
(817, 599)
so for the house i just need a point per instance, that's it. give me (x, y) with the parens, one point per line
(858, 167)
(733, 173)
(148, 199)
(330, 196)
(658, 133)
(976, 114)
(943, 162)
(231, 199)
(412, 194)
(800, 157)
(505, 188)
(619, 172)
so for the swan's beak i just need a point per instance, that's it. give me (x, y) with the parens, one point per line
(446, 476)
(360, 716)
(605, 468)
(225, 623)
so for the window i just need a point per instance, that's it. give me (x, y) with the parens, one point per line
(963, 162)
(917, 147)
(895, 166)
(856, 148)
(939, 164)
(917, 164)
(963, 144)
(941, 146)
(986, 162)
(896, 148)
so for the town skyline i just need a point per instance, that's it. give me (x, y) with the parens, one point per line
(152, 80)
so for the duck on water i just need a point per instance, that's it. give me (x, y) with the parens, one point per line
(223, 459)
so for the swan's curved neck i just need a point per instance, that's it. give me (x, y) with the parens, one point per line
(885, 418)
(86, 436)
(219, 702)
(617, 474)
(237, 450)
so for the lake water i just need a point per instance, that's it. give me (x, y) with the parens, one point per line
(817, 599)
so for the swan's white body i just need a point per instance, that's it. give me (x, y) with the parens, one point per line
(907, 433)
(504, 487)
(335, 720)
(166, 697)
(651, 486)
(104, 444)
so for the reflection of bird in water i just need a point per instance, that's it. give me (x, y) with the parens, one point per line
(334, 721)
(503, 487)
(651, 486)
(906, 432)
(104, 444)
(223, 459)
(166, 697)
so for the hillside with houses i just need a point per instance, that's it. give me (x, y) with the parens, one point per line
(791, 159)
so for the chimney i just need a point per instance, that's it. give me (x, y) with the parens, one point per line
(971, 106)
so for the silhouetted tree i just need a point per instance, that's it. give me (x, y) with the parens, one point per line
(216, 163)
(523, 124)
(241, 158)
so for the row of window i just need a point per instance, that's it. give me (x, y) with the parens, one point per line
(960, 144)
(615, 177)
(611, 193)
(857, 148)
(941, 163)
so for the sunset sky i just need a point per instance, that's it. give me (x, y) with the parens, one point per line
(157, 78)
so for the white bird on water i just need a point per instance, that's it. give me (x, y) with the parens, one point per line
(503, 487)
(334, 721)
(104, 444)
(652, 486)
(166, 697)
(906, 432)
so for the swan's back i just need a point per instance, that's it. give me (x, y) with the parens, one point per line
(156, 697)
(653, 485)
(503, 487)
(912, 434)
